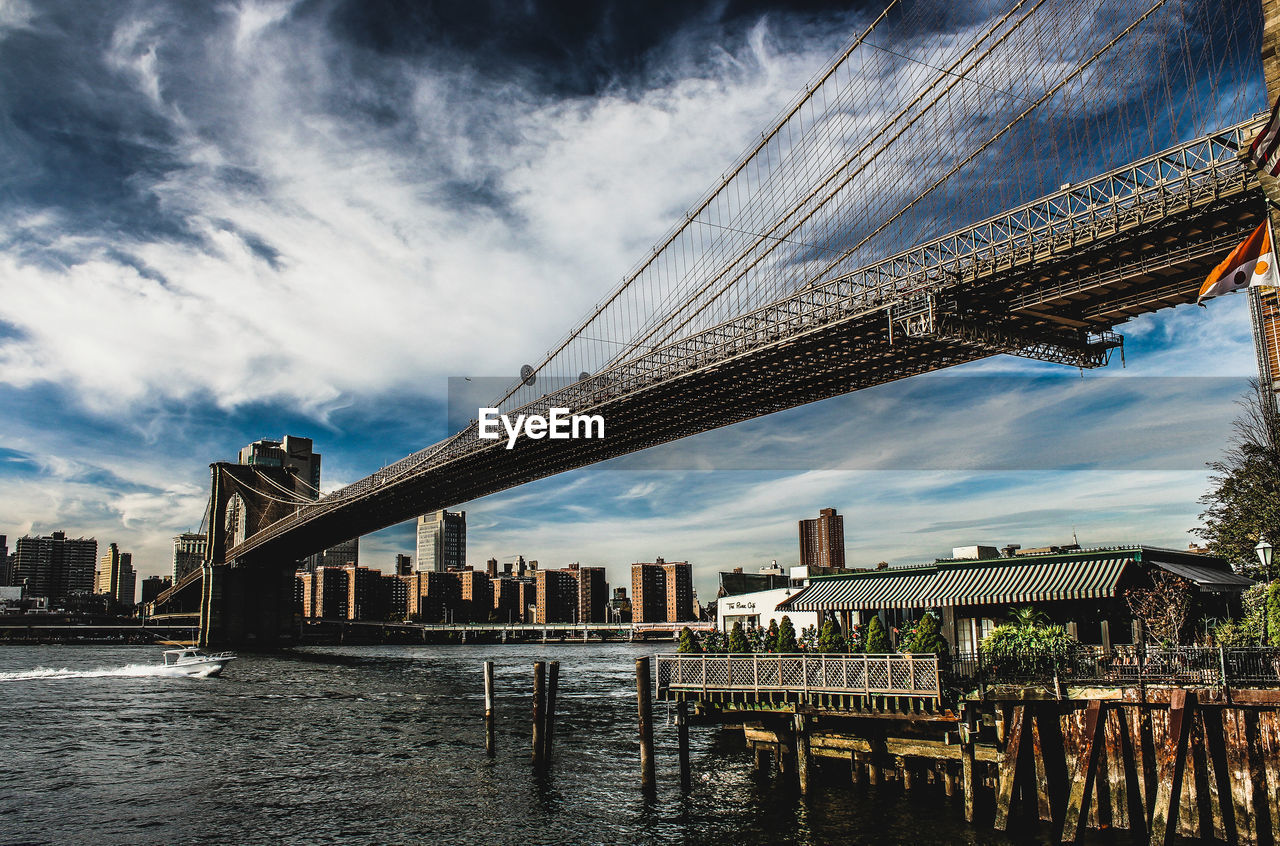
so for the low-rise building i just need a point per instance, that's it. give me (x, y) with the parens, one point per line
(761, 609)
(1082, 589)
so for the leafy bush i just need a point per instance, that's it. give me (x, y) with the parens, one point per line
(809, 639)
(831, 639)
(738, 639)
(715, 642)
(1232, 634)
(1035, 650)
(877, 637)
(786, 641)
(926, 636)
(1022, 640)
(689, 642)
(1251, 629)
(770, 638)
(857, 639)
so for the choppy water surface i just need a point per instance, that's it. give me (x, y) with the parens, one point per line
(386, 745)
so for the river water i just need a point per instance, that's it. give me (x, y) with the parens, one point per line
(386, 745)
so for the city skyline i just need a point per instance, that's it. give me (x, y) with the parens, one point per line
(184, 164)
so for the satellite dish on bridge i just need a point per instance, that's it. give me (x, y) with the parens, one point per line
(584, 376)
(527, 376)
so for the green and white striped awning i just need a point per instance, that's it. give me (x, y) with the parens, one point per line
(991, 582)
(1013, 580)
(873, 591)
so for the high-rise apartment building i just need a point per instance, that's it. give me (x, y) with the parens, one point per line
(153, 586)
(557, 596)
(593, 593)
(6, 577)
(442, 541)
(404, 565)
(292, 453)
(822, 540)
(188, 554)
(55, 566)
(116, 577)
(662, 592)
(475, 597)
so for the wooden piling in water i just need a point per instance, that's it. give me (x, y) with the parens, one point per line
(488, 708)
(803, 759)
(644, 704)
(549, 716)
(539, 701)
(682, 739)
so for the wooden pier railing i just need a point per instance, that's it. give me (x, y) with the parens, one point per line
(865, 675)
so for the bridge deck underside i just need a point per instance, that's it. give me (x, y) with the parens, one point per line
(1094, 282)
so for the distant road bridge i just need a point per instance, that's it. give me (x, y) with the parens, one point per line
(802, 291)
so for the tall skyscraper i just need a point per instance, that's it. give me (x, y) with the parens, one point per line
(188, 554)
(116, 577)
(662, 592)
(55, 566)
(442, 541)
(6, 577)
(822, 540)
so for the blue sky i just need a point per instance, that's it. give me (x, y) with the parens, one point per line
(222, 222)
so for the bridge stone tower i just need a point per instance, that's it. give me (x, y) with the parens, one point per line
(248, 601)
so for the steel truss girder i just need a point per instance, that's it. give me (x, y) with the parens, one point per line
(925, 317)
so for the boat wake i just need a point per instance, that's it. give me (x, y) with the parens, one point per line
(128, 671)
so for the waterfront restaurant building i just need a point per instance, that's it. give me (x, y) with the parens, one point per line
(1083, 590)
(761, 609)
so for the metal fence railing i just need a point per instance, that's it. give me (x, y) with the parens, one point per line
(1121, 666)
(867, 675)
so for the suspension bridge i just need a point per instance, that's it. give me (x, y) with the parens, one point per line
(853, 243)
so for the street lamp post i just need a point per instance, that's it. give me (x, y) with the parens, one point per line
(1264, 551)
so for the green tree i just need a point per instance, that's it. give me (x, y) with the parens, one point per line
(786, 641)
(1251, 628)
(1244, 503)
(738, 639)
(770, 638)
(877, 637)
(715, 642)
(927, 636)
(831, 639)
(1273, 613)
(689, 642)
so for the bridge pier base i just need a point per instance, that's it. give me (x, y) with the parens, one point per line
(247, 607)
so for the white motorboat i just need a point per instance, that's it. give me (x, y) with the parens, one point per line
(190, 661)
